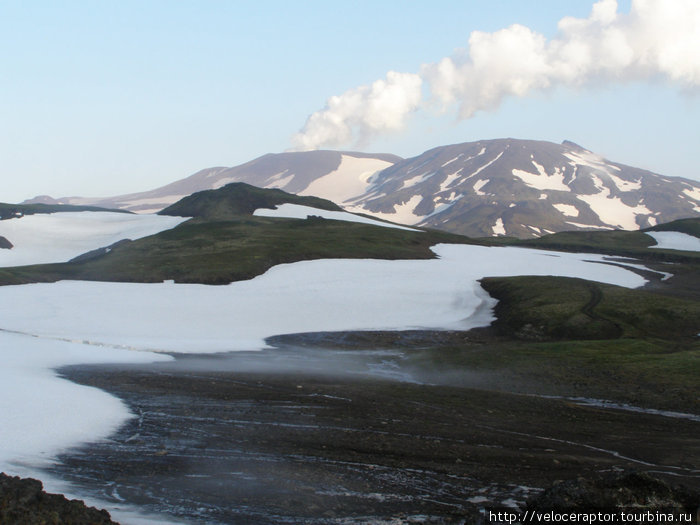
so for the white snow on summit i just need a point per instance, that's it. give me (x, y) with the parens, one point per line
(350, 179)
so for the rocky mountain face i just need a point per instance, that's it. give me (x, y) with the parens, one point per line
(523, 188)
(520, 188)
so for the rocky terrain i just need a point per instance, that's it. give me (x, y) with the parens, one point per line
(24, 502)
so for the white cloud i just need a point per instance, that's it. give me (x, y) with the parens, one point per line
(657, 38)
(361, 112)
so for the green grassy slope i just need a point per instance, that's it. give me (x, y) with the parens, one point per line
(570, 337)
(689, 226)
(560, 308)
(618, 242)
(225, 243)
(221, 252)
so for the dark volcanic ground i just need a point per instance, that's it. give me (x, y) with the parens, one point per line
(261, 437)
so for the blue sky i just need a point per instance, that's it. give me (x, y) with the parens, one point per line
(101, 98)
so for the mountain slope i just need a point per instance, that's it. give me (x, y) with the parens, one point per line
(519, 188)
(330, 174)
(524, 188)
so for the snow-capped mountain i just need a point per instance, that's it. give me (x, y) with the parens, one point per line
(521, 188)
(335, 175)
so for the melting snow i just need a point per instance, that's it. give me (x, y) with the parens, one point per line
(480, 184)
(625, 185)
(591, 160)
(296, 211)
(541, 180)
(675, 241)
(485, 165)
(281, 182)
(589, 226)
(451, 160)
(498, 228)
(42, 414)
(403, 213)
(58, 237)
(567, 209)
(693, 193)
(408, 183)
(611, 210)
(450, 179)
(349, 180)
(444, 206)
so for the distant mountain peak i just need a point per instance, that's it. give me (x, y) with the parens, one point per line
(573, 145)
(507, 186)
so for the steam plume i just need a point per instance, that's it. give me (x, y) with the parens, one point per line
(657, 38)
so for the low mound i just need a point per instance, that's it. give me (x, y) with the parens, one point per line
(238, 198)
(24, 501)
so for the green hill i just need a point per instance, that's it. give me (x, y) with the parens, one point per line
(617, 242)
(689, 226)
(236, 199)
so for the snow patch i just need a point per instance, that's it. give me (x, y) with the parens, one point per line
(444, 206)
(480, 184)
(611, 210)
(403, 213)
(498, 228)
(43, 414)
(58, 237)
(693, 193)
(588, 226)
(450, 179)
(408, 183)
(675, 241)
(482, 168)
(451, 160)
(541, 180)
(591, 160)
(625, 185)
(349, 180)
(567, 209)
(297, 211)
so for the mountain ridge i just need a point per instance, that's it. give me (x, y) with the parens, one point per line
(512, 187)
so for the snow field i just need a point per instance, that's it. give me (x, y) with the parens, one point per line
(351, 179)
(58, 237)
(675, 241)
(297, 211)
(44, 326)
(42, 414)
(321, 295)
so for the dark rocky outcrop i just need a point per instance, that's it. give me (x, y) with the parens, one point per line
(23, 501)
(619, 491)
